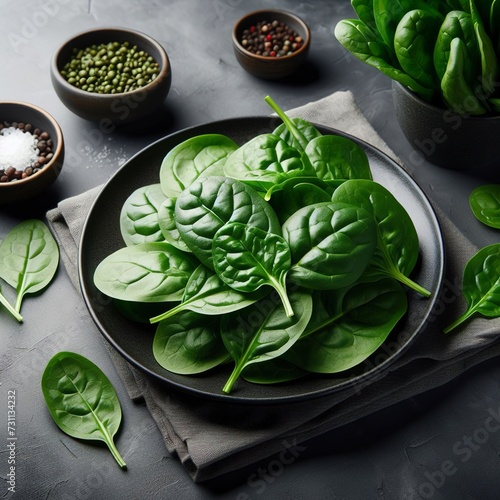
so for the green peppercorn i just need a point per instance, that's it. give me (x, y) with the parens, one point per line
(110, 68)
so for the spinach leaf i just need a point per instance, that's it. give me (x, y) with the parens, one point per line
(481, 285)
(364, 10)
(297, 136)
(206, 293)
(414, 42)
(189, 343)
(397, 240)
(29, 257)
(139, 216)
(296, 194)
(150, 272)
(485, 204)
(494, 22)
(188, 160)
(457, 93)
(488, 57)
(457, 24)
(140, 312)
(331, 244)
(4, 302)
(363, 44)
(304, 130)
(273, 371)
(265, 162)
(205, 206)
(166, 222)
(246, 258)
(263, 331)
(338, 158)
(489, 65)
(81, 400)
(388, 14)
(347, 327)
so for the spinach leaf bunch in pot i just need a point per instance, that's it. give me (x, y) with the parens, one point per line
(443, 59)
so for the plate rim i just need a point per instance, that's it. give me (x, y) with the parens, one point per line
(375, 373)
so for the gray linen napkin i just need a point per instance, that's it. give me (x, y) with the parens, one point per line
(210, 440)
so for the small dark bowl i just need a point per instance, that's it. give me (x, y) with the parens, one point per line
(271, 68)
(117, 108)
(37, 183)
(444, 137)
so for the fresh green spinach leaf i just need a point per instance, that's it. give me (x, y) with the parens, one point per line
(397, 240)
(336, 158)
(304, 130)
(457, 24)
(347, 327)
(481, 285)
(166, 222)
(296, 194)
(81, 400)
(363, 44)
(205, 293)
(485, 204)
(150, 272)
(273, 371)
(9, 307)
(265, 162)
(198, 155)
(263, 331)
(331, 244)
(139, 216)
(414, 42)
(189, 343)
(246, 258)
(205, 206)
(457, 93)
(29, 257)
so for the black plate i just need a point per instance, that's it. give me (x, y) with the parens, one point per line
(101, 236)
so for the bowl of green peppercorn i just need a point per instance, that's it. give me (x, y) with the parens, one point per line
(111, 75)
(271, 44)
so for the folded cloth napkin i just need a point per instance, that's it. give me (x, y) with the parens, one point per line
(210, 440)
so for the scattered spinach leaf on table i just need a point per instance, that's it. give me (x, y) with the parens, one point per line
(29, 257)
(484, 202)
(481, 285)
(81, 400)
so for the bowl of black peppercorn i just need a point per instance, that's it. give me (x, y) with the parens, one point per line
(31, 151)
(111, 75)
(271, 44)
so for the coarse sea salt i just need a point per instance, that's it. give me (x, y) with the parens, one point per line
(18, 149)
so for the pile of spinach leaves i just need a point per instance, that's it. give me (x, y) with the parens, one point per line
(447, 52)
(281, 255)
